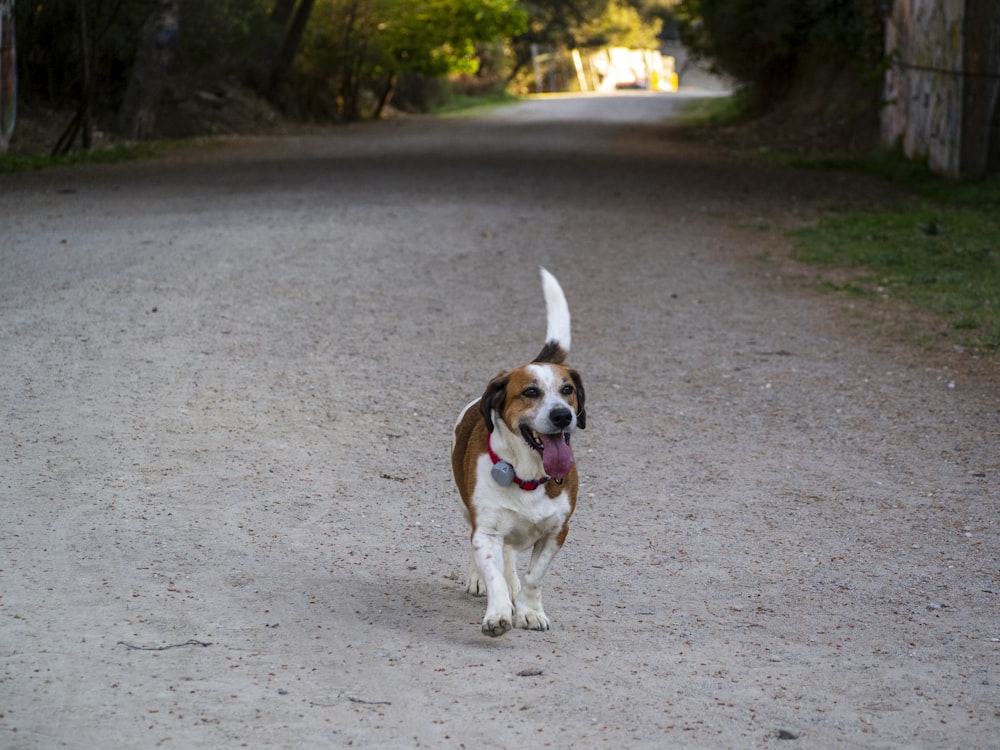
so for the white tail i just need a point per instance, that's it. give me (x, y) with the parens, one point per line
(557, 332)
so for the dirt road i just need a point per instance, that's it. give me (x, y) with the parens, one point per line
(228, 385)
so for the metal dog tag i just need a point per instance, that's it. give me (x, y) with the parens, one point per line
(503, 473)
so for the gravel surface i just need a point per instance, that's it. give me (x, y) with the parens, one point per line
(229, 381)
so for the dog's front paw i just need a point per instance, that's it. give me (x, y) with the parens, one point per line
(532, 619)
(495, 625)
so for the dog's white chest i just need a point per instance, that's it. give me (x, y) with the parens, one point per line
(519, 517)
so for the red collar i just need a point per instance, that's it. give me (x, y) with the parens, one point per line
(526, 485)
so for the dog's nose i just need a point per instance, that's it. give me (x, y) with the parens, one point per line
(561, 417)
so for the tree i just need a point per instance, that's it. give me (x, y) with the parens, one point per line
(441, 37)
(620, 25)
(117, 64)
(551, 23)
(82, 122)
(294, 33)
(8, 74)
(158, 41)
(364, 45)
(768, 44)
(76, 55)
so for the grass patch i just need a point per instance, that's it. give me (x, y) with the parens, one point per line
(110, 155)
(463, 105)
(939, 250)
(713, 110)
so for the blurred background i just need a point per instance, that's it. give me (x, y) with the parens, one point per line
(827, 75)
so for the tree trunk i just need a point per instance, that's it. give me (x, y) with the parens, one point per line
(281, 12)
(157, 48)
(82, 122)
(8, 74)
(260, 68)
(349, 66)
(289, 48)
(87, 85)
(351, 88)
(386, 97)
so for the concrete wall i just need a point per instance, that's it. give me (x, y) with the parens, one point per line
(943, 87)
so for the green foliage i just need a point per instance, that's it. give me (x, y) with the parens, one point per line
(366, 44)
(222, 37)
(620, 25)
(437, 37)
(552, 23)
(458, 106)
(766, 44)
(940, 251)
(354, 54)
(353, 48)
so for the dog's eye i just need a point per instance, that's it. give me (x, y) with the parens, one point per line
(567, 390)
(531, 392)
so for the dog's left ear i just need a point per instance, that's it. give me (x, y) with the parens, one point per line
(493, 398)
(581, 409)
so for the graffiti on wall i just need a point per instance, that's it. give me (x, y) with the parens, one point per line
(924, 82)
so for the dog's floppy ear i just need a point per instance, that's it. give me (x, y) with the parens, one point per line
(581, 409)
(493, 398)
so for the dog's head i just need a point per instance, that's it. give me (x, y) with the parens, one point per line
(542, 402)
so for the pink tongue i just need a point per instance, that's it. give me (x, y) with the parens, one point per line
(557, 458)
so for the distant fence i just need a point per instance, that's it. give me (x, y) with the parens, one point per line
(604, 70)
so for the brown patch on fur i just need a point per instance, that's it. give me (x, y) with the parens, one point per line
(470, 444)
(515, 403)
(493, 398)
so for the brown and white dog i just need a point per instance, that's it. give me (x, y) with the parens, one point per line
(515, 471)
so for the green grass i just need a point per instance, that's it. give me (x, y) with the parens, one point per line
(712, 110)
(938, 250)
(112, 155)
(460, 106)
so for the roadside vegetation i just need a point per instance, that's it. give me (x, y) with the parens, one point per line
(110, 80)
(111, 155)
(90, 74)
(937, 250)
(96, 73)
(465, 106)
(932, 254)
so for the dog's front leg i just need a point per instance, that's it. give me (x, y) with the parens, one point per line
(488, 551)
(477, 584)
(510, 570)
(528, 605)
